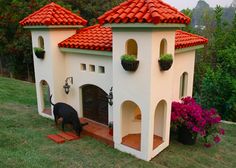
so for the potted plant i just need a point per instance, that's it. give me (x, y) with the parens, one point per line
(129, 62)
(110, 126)
(165, 62)
(39, 52)
(191, 120)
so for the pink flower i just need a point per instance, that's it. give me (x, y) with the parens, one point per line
(207, 145)
(222, 131)
(217, 139)
(189, 114)
(196, 129)
(217, 119)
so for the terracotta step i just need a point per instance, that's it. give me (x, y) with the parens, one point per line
(66, 136)
(73, 135)
(97, 131)
(56, 138)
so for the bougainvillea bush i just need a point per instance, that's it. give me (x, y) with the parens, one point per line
(198, 121)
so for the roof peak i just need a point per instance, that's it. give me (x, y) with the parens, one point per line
(144, 11)
(52, 14)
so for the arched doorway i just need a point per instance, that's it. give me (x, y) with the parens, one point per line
(131, 125)
(95, 104)
(159, 124)
(45, 97)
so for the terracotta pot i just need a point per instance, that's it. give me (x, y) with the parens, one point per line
(185, 136)
(165, 65)
(130, 65)
(111, 131)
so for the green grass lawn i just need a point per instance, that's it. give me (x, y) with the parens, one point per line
(23, 141)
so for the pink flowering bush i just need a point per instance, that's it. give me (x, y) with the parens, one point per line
(198, 121)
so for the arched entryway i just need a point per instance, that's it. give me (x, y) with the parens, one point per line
(131, 125)
(45, 97)
(95, 104)
(159, 123)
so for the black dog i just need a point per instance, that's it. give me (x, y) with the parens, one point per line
(68, 114)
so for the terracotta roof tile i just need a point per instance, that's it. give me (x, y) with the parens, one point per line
(185, 39)
(53, 14)
(144, 11)
(100, 38)
(92, 38)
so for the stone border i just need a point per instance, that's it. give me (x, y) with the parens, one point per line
(228, 122)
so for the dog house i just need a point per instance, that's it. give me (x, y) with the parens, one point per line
(136, 96)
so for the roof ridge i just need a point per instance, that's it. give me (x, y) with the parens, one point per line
(89, 27)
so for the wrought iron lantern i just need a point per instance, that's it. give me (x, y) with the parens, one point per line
(110, 97)
(67, 86)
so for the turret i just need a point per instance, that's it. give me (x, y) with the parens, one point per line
(142, 97)
(49, 26)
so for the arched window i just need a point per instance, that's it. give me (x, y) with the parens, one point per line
(131, 47)
(41, 42)
(183, 85)
(163, 47)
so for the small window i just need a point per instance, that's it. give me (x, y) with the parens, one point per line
(183, 85)
(101, 69)
(92, 68)
(131, 47)
(163, 47)
(41, 42)
(83, 67)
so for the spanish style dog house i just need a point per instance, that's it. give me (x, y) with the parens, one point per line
(142, 99)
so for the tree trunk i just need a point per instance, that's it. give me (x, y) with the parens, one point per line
(11, 75)
(1, 67)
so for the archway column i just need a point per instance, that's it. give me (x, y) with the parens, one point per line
(147, 133)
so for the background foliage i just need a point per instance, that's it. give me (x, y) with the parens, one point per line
(215, 73)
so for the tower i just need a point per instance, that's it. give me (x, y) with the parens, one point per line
(142, 99)
(49, 26)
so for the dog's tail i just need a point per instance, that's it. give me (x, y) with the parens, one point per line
(83, 124)
(51, 101)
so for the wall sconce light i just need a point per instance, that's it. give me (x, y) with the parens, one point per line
(67, 86)
(110, 97)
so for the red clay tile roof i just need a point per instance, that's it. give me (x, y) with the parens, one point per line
(53, 14)
(144, 11)
(184, 39)
(100, 38)
(93, 38)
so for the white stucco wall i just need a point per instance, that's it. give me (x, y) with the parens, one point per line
(73, 63)
(146, 87)
(184, 62)
(161, 89)
(128, 85)
(52, 67)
